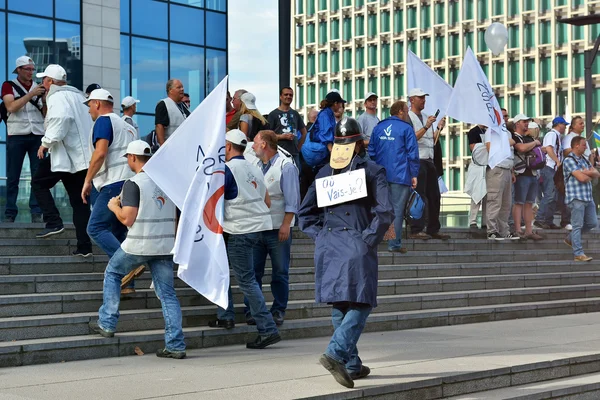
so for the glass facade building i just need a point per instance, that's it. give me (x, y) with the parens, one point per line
(130, 47)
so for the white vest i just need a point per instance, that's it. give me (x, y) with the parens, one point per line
(273, 182)
(426, 142)
(153, 232)
(176, 117)
(131, 122)
(247, 213)
(28, 119)
(115, 167)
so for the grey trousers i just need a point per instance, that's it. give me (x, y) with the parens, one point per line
(499, 200)
(474, 210)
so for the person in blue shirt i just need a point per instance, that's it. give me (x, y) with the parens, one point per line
(394, 146)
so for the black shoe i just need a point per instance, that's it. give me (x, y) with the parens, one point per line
(36, 218)
(553, 226)
(82, 253)
(263, 341)
(49, 232)
(278, 318)
(338, 370)
(95, 328)
(222, 323)
(542, 225)
(9, 219)
(363, 373)
(250, 320)
(164, 353)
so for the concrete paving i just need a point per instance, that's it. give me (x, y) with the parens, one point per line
(289, 370)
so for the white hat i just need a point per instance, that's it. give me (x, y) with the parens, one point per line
(417, 92)
(53, 71)
(370, 94)
(532, 125)
(128, 101)
(236, 136)
(138, 148)
(249, 100)
(23, 61)
(521, 117)
(549, 125)
(99, 94)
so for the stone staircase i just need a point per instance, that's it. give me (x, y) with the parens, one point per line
(47, 297)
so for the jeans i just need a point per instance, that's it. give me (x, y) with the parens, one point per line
(583, 219)
(240, 252)
(17, 146)
(161, 267)
(548, 205)
(349, 320)
(44, 180)
(268, 243)
(429, 189)
(400, 195)
(103, 227)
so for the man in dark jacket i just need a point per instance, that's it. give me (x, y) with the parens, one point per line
(394, 146)
(346, 233)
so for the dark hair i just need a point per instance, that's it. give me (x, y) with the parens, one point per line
(186, 95)
(397, 107)
(269, 137)
(576, 140)
(284, 88)
(238, 147)
(575, 119)
(504, 109)
(143, 159)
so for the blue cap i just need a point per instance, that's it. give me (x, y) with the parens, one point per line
(559, 120)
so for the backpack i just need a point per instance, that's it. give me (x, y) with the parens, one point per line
(4, 111)
(314, 153)
(414, 206)
(152, 140)
(257, 126)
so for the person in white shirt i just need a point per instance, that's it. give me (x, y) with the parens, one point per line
(368, 120)
(129, 105)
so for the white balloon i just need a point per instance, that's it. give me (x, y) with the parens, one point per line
(496, 37)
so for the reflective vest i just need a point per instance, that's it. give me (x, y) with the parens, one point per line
(131, 122)
(176, 117)
(247, 213)
(115, 167)
(153, 231)
(273, 182)
(28, 119)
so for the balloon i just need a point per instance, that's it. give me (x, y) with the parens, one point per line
(496, 37)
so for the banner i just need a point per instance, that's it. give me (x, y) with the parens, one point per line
(190, 169)
(420, 75)
(473, 101)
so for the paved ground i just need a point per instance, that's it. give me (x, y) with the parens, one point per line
(290, 370)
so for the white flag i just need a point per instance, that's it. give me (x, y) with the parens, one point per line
(568, 117)
(420, 75)
(190, 169)
(473, 101)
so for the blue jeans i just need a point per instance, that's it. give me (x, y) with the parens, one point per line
(548, 205)
(268, 243)
(583, 218)
(161, 267)
(17, 147)
(349, 320)
(400, 195)
(239, 252)
(103, 227)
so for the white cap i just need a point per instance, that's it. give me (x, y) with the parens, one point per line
(532, 125)
(417, 92)
(138, 148)
(53, 71)
(549, 125)
(99, 94)
(333, 90)
(370, 94)
(249, 100)
(521, 117)
(23, 61)
(128, 101)
(236, 136)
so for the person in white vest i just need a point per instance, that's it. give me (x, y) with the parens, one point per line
(108, 138)
(170, 111)
(283, 186)
(246, 213)
(26, 106)
(129, 105)
(68, 125)
(150, 216)
(427, 186)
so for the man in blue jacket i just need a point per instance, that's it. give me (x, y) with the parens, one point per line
(394, 146)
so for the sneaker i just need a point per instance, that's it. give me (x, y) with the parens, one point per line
(569, 227)
(440, 236)
(36, 218)
(494, 236)
(84, 253)
(250, 320)
(541, 225)
(473, 227)
(96, 328)
(49, 232)
(534, 236)
(164, 353)
(420, 235)
(127, 291)
(567, 241)
(132, 275)
(278, 317)
(363, 373)
(583, 258)
(338, 370)
(401, 250)
(263, 341)
(9, 219)
(222, 323)
(511, 236)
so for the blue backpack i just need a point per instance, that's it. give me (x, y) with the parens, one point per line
(314, 153)
(414, 206)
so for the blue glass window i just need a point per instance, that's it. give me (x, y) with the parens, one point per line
(3, 164)
(31, 36)
(68, 9)
(217, 5)
(216, 68)
(187, 25)
(193, 3)
(145, 122)
(216, 34)
(2, 57)
(149, 72)
(68, 51)
(125, 77)
(149, 18)
(124, 16)
(38, 7)
(187, 65)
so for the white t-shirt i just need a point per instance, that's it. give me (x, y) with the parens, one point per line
(550, 140)
(566, 144)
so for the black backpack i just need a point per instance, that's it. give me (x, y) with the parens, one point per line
(257, 126)
(4, 111)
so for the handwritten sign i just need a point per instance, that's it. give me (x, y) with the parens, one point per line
(341, 188)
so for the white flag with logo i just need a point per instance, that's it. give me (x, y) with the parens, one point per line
(190, 169)
(474, 101)
(420, 75)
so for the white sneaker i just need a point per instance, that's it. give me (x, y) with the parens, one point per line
(569, 227)
(510, 236)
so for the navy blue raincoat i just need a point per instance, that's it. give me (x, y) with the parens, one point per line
(346, 237)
